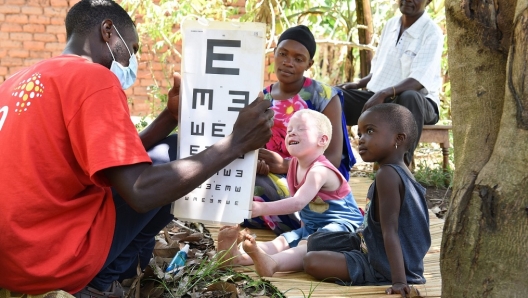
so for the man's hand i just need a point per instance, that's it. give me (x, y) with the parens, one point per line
(252, 129)
(173, 101)
(275, 162)
(376, 99)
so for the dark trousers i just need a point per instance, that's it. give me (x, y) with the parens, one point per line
(134, 232)
(423, 109)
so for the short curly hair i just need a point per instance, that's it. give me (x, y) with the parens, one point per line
(400, 119)
(87, 14)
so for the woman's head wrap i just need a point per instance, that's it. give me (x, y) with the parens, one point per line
(300, 34)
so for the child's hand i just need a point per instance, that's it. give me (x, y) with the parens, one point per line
(255, 209)
(400, 288)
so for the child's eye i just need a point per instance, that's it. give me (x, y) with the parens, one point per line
(281, 54)
(369, 131)
(298, 60)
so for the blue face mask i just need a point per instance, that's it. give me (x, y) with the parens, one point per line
(126, 75)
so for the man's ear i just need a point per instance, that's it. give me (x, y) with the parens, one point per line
(106, 30)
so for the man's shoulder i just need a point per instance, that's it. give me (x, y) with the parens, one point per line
(430, 27)
(395, 20)
(71, 63)
(77, 72)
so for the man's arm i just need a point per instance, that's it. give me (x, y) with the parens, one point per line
(166, 121)
(388, 189)
(393, 91)
(315, 180)
(145, 186)
(425, 66)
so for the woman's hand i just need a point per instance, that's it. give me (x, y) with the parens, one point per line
(262, 168)
(276, 164)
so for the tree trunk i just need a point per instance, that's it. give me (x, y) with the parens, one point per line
(364, 17)
(485, 241)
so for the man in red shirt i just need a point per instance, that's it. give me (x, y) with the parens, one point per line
(66, 137)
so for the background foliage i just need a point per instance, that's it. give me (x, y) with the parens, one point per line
(333, 22)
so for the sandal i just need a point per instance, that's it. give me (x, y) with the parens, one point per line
(116, 291)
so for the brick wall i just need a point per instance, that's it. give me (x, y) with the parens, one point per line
(32, 30)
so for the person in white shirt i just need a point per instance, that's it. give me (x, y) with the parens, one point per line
(405, 69)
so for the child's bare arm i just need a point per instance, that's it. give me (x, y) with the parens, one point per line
(388, 186)
(315, 180)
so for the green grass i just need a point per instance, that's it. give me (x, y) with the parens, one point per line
(433, 176)
(203, 275)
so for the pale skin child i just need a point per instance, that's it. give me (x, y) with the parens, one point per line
(384, 141)
(308, 135)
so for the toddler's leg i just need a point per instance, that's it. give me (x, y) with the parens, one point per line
(266, 265)
(274, 246)
(327, 265)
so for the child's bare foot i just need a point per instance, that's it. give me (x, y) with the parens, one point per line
(264, 264)
(227, 244)
(228, 239)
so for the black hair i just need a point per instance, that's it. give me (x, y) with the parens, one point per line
(401, 120)
(87, 14)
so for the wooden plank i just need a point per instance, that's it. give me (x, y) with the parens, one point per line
(300, 284)
(438, 126)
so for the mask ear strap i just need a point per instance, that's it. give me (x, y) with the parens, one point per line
(130, 53)
(110, 51)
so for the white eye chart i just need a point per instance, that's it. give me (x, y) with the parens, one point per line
(222, 72)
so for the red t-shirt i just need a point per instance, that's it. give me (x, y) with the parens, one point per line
(62, 121)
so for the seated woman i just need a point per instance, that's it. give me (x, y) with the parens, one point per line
(293, 56)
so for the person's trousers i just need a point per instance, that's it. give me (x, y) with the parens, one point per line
(423, 109)
(134, 232)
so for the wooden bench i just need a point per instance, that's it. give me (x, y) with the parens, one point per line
(438, 134)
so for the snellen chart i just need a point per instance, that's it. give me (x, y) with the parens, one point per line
(222, 72)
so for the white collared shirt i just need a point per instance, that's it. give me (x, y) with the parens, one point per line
(417, 54)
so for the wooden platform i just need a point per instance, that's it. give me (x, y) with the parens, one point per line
(301, 284)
